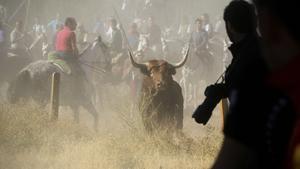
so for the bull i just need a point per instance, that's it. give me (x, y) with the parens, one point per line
(161, 99)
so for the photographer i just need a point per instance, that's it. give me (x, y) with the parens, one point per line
(240, 20)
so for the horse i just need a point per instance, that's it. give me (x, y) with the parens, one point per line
(34, 82)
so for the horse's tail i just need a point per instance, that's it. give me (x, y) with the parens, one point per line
(19, 88)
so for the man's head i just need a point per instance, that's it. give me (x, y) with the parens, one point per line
(133, 26)
(151, 21)
(240, 19)
(71, 23)
(199, 23)
(113, 23)
(19, 26)
(279, 30)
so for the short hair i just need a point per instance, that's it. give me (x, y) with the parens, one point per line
(286, 11)
(241, 15)
(69, 20)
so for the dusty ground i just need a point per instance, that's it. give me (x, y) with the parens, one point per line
(29, 140)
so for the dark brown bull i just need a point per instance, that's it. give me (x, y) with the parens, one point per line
(161, 100)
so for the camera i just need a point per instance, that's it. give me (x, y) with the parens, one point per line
(214, 94)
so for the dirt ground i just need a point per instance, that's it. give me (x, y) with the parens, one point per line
(29, 140)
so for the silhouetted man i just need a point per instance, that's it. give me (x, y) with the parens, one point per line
(240, 21)
(262, 129)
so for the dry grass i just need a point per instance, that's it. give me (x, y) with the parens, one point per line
(28, 140)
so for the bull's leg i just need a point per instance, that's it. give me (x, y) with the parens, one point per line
(184, 86)
(91, 109)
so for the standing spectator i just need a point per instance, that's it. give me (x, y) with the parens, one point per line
(133, 36)
(99, 28)
(154, 33)
(208, 27)
(17, 39)
(82, 36)
(115, 37)
(3, 13)
(53, 24)
(38, 28)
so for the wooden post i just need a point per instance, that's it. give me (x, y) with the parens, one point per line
(224, 110)
(55, 96)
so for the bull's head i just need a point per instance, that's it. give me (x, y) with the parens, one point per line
(160, 71)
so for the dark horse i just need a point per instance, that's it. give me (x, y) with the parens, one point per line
(34, 82)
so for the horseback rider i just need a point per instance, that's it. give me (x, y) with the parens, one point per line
(66, 54)
(65, 44)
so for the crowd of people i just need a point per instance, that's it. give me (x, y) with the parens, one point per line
(262, 126)
(144, 32)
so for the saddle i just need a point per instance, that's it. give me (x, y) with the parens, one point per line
(61, 64)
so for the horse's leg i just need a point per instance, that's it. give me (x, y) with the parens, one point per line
(87, 105)
(75, 110)
(99, 96)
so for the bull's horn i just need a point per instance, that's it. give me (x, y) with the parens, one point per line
(181, 63)
(134, 63)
